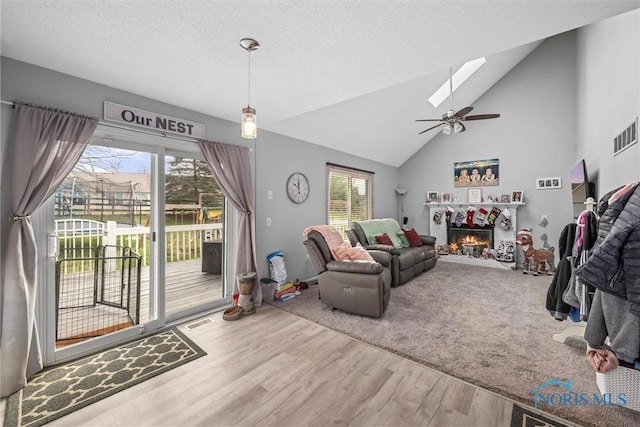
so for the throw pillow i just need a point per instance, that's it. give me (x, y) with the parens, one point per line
(341, 252)
(384, 239)
(412, 236)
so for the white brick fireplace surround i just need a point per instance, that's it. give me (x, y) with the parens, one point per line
(439, 231)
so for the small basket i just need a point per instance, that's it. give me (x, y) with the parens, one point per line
(621, 380)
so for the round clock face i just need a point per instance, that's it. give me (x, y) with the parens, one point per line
(298, 187)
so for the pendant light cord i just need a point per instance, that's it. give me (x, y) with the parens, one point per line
(249, 91)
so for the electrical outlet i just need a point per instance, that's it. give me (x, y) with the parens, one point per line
(269, 194)
(268, 221)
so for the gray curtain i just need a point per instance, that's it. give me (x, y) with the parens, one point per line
(44, 146)
(232, 170)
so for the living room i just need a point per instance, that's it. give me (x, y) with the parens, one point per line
(564, 102)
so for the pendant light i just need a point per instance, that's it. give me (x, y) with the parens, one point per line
(249, 119)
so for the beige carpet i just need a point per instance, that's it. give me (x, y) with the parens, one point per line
(487, 326)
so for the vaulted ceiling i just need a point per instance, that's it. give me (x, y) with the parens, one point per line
(349, 75)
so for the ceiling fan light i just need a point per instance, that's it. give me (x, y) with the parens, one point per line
(446, 129)
(457, 127)
(249, 123)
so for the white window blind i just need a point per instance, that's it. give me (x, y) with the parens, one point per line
(349, 196)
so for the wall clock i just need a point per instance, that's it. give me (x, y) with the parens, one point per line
(297, 187)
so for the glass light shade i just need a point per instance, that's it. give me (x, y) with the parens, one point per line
(249, 123)
(457, 127)
(446, 129)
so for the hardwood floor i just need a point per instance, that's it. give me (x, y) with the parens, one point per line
(276, 369)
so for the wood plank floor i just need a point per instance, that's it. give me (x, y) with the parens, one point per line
(277, 369)
(186, 286)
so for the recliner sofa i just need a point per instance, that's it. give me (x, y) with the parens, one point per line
(358, 287)
(407, 261)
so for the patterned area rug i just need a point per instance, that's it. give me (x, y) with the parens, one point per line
(60, 390)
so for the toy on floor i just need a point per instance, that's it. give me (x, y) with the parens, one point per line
(540, 258)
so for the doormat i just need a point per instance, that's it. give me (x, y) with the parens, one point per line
(60, 390)
(521, 417)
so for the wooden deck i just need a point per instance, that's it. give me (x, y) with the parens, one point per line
(186, 286)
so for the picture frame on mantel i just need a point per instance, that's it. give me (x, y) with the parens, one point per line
(432, 197)
(475, 195)
(445, 198)
(517, 196)
(505, 198)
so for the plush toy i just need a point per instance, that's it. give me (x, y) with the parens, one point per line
(539, 257)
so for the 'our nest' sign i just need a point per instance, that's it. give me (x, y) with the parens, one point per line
(148, 120)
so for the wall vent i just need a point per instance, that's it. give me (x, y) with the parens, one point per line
(626, 138)
(198, 323)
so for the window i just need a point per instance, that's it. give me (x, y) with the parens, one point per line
(349, 196)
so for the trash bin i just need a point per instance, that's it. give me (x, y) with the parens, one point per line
(268, 289)
(212, 257)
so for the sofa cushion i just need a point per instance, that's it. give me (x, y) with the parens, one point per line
(383, 239)
(414, 239)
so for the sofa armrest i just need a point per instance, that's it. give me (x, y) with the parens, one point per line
(385, 248)
(365, 267)
(428, 240)
(381, 257)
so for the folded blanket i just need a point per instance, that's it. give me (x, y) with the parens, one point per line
(340, 250)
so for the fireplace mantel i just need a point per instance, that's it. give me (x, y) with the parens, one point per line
(439, 231)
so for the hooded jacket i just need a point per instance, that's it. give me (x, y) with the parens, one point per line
(614, 265)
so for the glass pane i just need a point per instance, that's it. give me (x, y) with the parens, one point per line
(102, 212)
(194, 217)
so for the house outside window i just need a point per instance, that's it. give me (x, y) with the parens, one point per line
(349, 196)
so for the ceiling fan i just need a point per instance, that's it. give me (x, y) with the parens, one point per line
(453, 121)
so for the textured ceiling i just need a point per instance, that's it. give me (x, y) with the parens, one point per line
(349, 75)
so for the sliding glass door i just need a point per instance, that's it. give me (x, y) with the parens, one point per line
(136, 239)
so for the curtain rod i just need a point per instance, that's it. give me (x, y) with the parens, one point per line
(148, 132)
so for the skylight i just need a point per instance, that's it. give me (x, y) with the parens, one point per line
(458, 78)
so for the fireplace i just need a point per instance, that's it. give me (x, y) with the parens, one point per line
(470, 241)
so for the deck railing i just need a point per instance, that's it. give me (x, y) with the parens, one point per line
(78, 239)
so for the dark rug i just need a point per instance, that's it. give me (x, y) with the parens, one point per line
(487, 326)
(62, 389)
(521, 417)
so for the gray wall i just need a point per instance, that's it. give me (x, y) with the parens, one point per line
(534, 137)
(276, 157)
(608, 78)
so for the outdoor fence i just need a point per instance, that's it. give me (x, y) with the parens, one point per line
(78, 239)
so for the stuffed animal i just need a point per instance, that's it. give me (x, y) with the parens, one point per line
(540, 258)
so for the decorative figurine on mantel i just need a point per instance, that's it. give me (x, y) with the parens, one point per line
(540, 258)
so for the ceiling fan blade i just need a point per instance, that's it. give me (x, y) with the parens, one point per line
(428, 120)
(481, 117)
(463, 112)
(432, 127)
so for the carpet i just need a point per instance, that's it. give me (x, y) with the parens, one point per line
(487, 326)
(62, 389)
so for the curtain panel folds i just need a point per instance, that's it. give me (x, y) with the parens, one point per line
(232, 170)
(44, 146)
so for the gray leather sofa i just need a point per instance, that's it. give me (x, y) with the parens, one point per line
(352, 286)
(406, 263)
